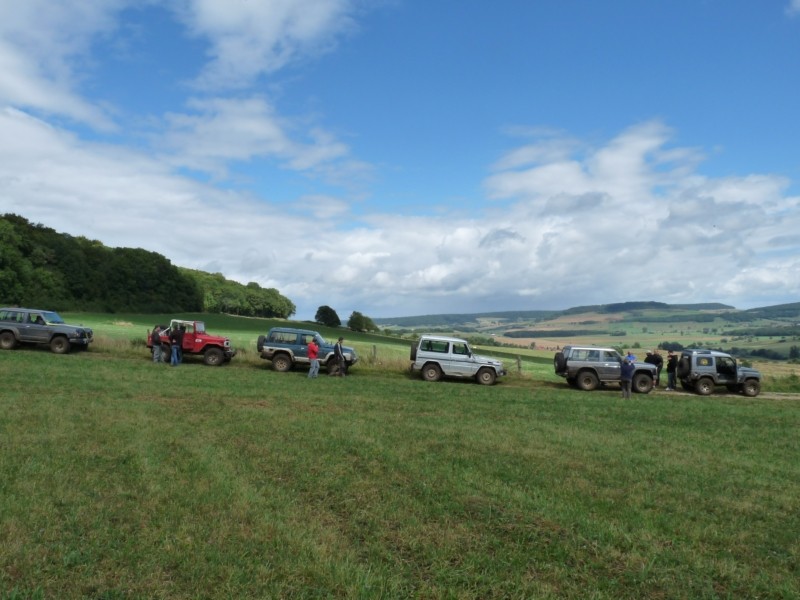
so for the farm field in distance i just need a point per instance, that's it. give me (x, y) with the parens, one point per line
(125, 479)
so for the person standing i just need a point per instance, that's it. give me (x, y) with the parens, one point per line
(626, 378)
(659, 363)
(313, 356)
(175, 342)
(155, 340)
(672, 370)
(338, 355)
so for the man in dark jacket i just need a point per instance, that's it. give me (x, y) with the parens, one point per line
(626, 378)
(672, 369)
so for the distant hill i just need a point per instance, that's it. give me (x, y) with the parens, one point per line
(529, 316)
(446, 320)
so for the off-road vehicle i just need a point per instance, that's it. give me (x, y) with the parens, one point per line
(702, 370)
(215, 349)
(34, 326)
(287, 347)
(588, 367)
(438, 356)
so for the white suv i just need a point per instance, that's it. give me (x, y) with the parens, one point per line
(437, 356)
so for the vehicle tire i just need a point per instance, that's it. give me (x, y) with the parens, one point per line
(486, 376)
(166, 353)
(704, 386)
(7, 341)
(431, 372)
(413, 352)
(260, 343)
(282, 363)
(751, 387)
(59, 345)
(587, 381)
(559, 362)
(213, 357)
(684, 366)
(642, 383)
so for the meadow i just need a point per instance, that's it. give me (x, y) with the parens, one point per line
(122, 479)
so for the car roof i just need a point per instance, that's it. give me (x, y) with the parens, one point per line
(294, 330)
(441, 338)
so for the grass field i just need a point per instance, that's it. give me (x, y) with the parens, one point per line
(124, 479)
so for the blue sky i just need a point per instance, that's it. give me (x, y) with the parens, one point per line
(400, 157)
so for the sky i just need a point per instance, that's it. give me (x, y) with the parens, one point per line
(409, 157)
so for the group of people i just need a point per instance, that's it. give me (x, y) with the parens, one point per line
(338, 355)
(655, 359)
(175, 342)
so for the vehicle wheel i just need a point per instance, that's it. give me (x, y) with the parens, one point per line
(431, 372)
(587, 381)
(260, 342)
(7, 340)
(281, 363)
(704, 386)
(751, 388)
(642, 383)
(213, 357)
(59, 344)
(486, 376)
(166, 353)
(559, 362)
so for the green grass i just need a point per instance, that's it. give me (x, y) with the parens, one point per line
(124, 479)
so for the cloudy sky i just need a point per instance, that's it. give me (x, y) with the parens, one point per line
(403, 157)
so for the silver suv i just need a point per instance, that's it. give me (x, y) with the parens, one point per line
(587, 367)
(34, 326)
(436, 356)
(702, 370)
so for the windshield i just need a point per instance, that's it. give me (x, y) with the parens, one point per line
(321, 340)
(199, 327)
(52, 317)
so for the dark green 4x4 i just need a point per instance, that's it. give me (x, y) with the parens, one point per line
(702, 370)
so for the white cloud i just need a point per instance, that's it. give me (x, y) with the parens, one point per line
(251, 39)
(793, 8)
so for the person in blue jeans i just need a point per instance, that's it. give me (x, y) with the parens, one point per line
(175, 341)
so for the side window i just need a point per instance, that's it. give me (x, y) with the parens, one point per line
(283, 337)
(610, 356)
(438, 346)
(307, 338)
(6, 315)
(460, 349)
(705, 361)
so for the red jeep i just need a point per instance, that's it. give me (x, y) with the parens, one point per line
(215, 349)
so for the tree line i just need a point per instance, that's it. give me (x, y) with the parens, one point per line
(43, 268)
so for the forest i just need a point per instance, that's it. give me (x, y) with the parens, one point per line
(42, 268)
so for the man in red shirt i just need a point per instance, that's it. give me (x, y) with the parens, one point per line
(313, 353)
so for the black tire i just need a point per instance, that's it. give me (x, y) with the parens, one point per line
(704, 386)
(260, 342)
(59, 345)
(431, 372)
(559, 362)
(486, 376)
(684, 366)
(751, 387)
(282, 363)
(642, 383)
(7, 341)
(213, 357)
(587, 381)
(166, 353)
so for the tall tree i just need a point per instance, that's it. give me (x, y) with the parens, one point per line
(327, 316)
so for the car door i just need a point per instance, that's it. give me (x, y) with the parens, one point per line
(460, 360)
(609, 366)
(35, 329)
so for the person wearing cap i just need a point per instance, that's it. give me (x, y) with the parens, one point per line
(338, 354)
(672, 369)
